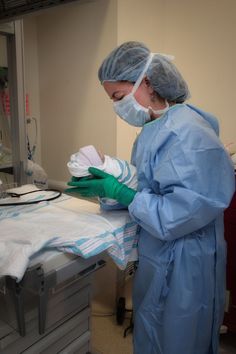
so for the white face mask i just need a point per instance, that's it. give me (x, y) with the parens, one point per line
(130, 110)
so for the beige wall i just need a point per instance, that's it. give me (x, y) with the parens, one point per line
(73, 40)
(201, 35)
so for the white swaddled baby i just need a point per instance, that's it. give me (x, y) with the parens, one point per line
(88, 156)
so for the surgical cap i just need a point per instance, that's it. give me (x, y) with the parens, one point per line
(126, 62)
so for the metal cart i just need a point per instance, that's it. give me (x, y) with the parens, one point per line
(49, 310)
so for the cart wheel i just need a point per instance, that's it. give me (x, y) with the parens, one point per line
(120, 311)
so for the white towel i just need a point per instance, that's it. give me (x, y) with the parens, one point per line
(63, 225)
(88, 157)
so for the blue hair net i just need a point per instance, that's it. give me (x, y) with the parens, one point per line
(126, 62)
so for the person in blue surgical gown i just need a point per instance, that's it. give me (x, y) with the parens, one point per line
(185, 181)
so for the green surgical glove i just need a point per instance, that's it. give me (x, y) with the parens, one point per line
(103, 185)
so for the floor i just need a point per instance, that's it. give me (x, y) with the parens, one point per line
(228, 343)
(106, 334)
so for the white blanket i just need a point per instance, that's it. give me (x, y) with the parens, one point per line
(67, 224)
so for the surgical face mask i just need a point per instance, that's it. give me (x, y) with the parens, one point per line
(130, 110)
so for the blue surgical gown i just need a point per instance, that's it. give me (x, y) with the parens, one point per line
(185, 181)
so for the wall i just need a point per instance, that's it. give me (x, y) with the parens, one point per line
(201, 34)
(72, 41)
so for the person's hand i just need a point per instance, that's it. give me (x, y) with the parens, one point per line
(102, 185)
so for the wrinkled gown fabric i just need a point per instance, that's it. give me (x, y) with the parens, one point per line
(185, 181)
